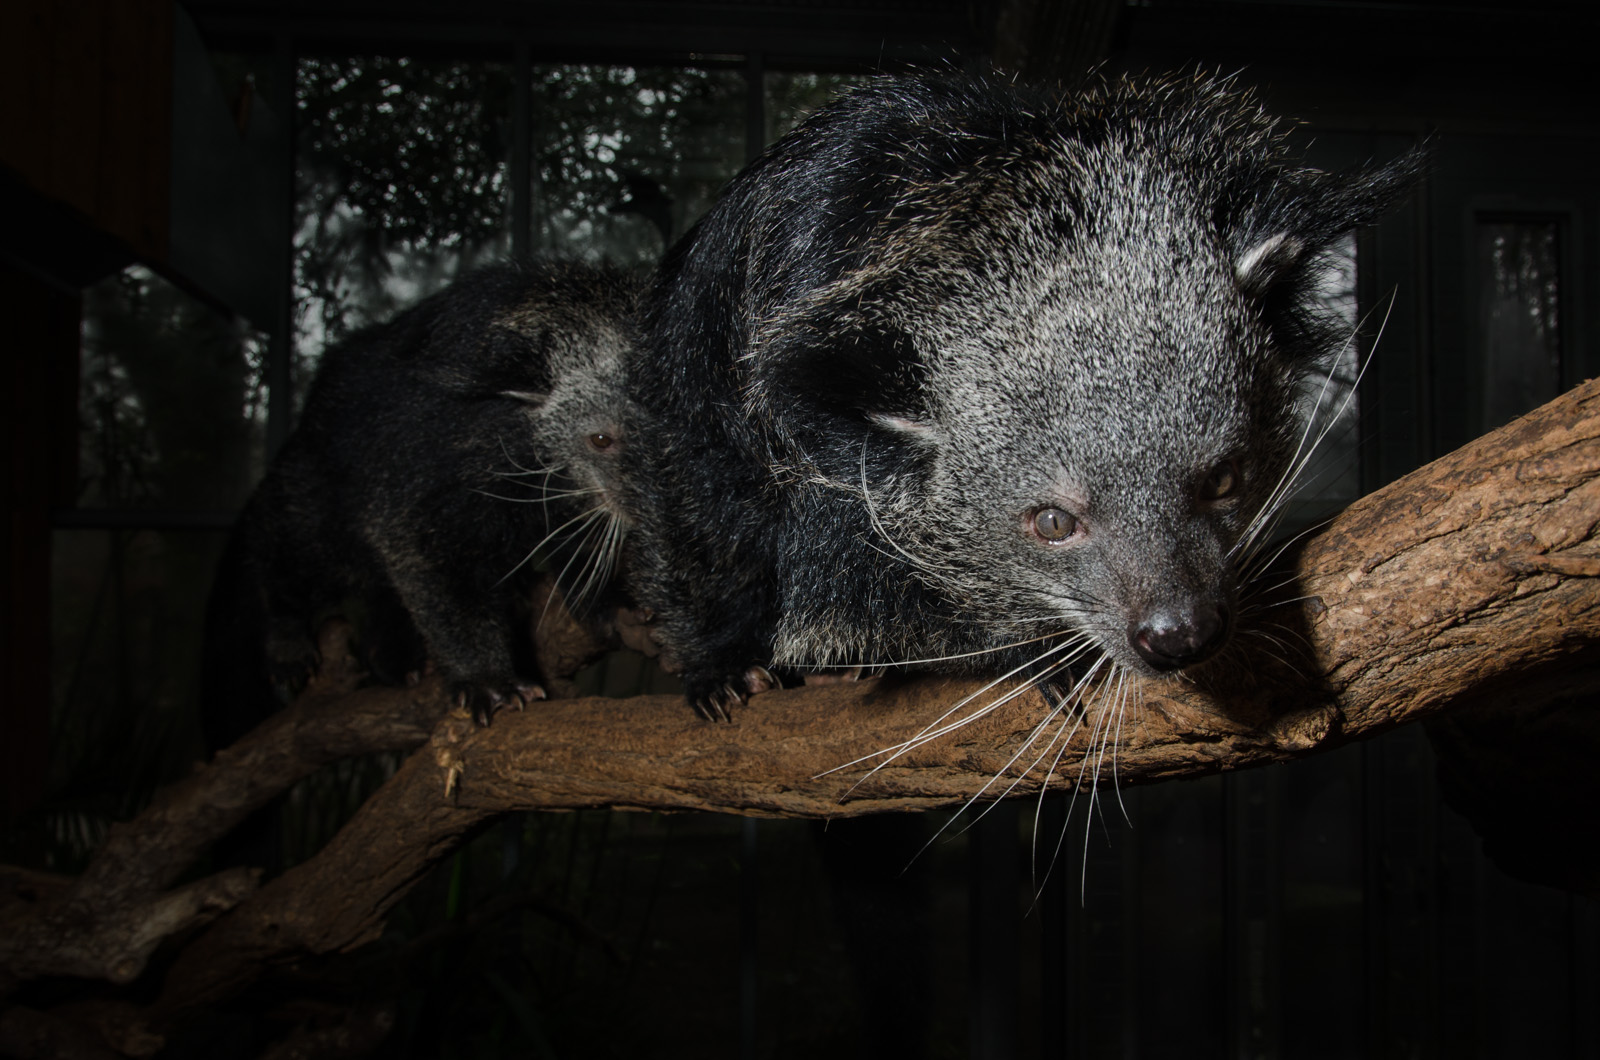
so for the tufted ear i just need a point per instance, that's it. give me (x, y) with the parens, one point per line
(1303, 211)
(1279, 224)
(842, 383)
(1267, 261)
(917, 432)
(513, 363)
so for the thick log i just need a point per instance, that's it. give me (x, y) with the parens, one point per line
(1473, 574)
(1470, 576)
(107, 923)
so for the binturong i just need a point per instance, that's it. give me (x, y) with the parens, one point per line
(979, 377)
(440, 460)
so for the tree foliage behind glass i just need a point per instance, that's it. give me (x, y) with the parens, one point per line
(401, 178)
(403, 174)
(626, 159)
(171, 401)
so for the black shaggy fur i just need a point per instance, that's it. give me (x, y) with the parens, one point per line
(435, 454)
(963, 367)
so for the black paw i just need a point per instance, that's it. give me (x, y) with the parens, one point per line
(715, 698)
(485, 701)
(831, 677)
(291, 662)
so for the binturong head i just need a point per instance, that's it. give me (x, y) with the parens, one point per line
(1062, 362)
(570, 336)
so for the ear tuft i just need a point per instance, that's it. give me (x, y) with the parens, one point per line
(1268, 261)
(915, 431)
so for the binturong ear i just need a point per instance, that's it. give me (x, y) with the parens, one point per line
(1301, 212)
(841, 388)
(1267, 261)
(510, 363)
(1282, 228)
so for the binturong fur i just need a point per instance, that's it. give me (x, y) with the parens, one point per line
(980, 377)
(436, 456)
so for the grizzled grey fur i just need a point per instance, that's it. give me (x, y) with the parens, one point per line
(965, 371)
(435, 454)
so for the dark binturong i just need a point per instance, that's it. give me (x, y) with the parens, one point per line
(981, 377)
(440, 456)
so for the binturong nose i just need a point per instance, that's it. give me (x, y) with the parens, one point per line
(1173, 638)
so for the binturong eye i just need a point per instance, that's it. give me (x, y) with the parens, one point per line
(1053, 524)
(601, 441)
(1221, 481)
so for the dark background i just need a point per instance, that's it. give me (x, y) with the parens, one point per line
(198, 197)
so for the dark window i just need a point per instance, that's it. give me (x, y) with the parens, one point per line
(1519, 287)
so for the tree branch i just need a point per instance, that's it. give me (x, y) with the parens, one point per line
(1465, 577)
(106, 924)
(1470, 577)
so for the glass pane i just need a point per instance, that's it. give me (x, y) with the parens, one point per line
(172, 399)
(1519, 284)
(401, 181)
(792, 96)
(127, 608)
(625, 160)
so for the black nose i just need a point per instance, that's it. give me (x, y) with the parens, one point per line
(1173, 639)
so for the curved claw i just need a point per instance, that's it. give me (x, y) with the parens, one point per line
(485, 702)
(718, 702)
(719, 705)
(832, 677)
(759, 679)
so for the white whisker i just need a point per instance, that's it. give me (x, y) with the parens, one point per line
(940, 726)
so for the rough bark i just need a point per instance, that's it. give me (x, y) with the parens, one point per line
(1472, 577)
(1468, 576)
(1474, 574)
(106, 924)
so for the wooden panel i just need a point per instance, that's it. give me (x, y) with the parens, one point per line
(91, 125)
(38, 371)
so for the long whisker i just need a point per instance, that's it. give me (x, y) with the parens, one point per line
(920, 562)
(583, 519)
(1061, 742)
(1269, 511)
(543, 496)
(1055, 712)
(901, 663)
(940, 725)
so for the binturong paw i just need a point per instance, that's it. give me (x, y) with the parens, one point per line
(831, 677)
(291, 660)
(485, 701)
(714, 699)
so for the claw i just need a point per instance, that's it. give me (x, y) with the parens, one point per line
(837, 677)
(718, 704)
(758, 679)
(723, 700)
(484, 703)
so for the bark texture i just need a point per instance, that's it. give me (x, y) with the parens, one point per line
(1473, 581)
(1471, 576)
